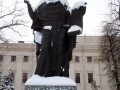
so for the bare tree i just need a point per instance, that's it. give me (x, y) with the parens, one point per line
(12, 14)
(110, 45)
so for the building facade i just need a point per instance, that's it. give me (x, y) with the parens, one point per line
(84, 67)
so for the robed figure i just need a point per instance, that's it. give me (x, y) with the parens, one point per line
(56, 28)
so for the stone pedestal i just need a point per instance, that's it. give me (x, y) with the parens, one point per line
(50, 83)
(33, 87)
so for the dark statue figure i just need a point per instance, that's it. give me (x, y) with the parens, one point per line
(53, 20)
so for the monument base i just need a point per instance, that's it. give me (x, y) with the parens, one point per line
(50, 83)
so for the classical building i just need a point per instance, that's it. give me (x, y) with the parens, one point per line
(84, 67)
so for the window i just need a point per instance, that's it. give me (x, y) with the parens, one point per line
(89, 59)
(13, 58)
(1, 57)
(24, 77)
(90, 77)
(76, 58)
(25, 59)
(77, 77)
(13, 75)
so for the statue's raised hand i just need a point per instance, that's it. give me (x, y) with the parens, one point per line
(26, 1)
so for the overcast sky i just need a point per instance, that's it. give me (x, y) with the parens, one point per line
(92, 20)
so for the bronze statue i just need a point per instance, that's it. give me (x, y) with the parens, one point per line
(54, 21)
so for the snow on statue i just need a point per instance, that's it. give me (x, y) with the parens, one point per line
(55, 26)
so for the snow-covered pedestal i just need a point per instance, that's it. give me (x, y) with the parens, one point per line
(50, 83)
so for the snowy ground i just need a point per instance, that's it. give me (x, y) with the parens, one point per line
(55, 81)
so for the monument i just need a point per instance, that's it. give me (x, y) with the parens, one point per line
(55, 27)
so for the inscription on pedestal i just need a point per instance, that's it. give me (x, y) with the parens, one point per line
(50, 87)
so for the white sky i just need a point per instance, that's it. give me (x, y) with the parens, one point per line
(92, 20)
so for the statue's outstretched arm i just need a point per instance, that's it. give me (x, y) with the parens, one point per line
(30, 10)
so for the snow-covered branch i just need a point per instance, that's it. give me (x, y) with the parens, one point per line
(11, 15)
